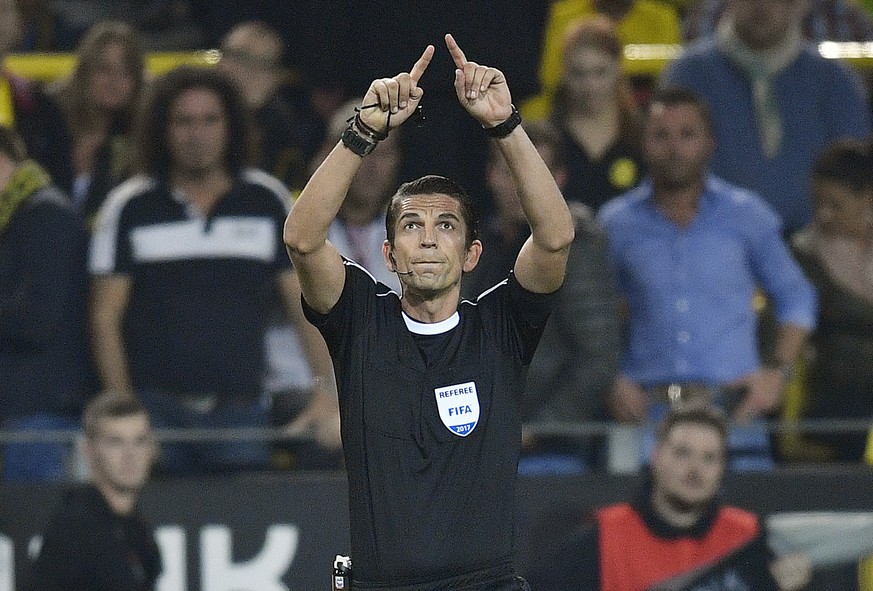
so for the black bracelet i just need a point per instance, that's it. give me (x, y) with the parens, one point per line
(504, 129)
(367, 130)
(374, 135)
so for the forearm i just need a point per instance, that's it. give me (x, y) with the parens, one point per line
(552, 227)
(110, 355)
(306, 227)
(790, 341)
(109, 299)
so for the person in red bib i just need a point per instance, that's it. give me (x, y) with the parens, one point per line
(677, 534)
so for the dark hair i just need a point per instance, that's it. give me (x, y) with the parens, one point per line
(109, 405)
(674, 96)
(697, 414)
(847, 161)
(260, 29)
(12, 145)
(430, 185)
(154, 156)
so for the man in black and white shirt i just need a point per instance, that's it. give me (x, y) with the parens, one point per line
(186, 258)
(429, 385)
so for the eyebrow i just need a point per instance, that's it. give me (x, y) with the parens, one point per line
(417, 215)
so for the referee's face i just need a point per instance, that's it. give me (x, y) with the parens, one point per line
(429, 251)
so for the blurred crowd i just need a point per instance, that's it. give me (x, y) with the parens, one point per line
(125, 267)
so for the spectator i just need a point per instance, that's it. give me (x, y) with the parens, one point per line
(99, 100)
(776, 102)
(836, 251)
(252, 54)
(689, 251)
(636, 21)
(824, 20)
(44, 357)
(185, 258)
(677, 534)
(97, 539)
(597, 115)
(23, 104)
(577, 358)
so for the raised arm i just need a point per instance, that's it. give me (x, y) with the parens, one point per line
(387, 104)
(483, 92)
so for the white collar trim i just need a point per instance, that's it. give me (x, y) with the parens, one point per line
(431, 328)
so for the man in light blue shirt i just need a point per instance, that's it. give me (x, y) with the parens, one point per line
(689, 253)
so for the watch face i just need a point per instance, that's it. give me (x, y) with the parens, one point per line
(357, 144)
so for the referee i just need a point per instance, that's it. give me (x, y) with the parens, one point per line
(429, 385)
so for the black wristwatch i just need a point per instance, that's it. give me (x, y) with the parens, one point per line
(357, 143)
(504, 129)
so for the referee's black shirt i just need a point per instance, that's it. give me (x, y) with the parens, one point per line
(431, 495)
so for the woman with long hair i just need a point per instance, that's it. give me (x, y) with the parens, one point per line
(597, 114)
(99, 100)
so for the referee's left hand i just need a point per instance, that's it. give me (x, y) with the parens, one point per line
(481, 90)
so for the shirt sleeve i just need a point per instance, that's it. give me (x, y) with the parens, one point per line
(515, 316)
(351, 311)
(109, 252)
(792, 295)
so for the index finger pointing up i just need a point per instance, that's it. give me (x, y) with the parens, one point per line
(422, 64)
(455, 50)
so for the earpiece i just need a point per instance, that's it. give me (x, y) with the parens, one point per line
(394, 262)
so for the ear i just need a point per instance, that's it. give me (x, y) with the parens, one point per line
(387, 254)
(471, 258)
(89, 453)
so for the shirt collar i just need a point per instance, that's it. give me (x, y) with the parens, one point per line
(431, 328)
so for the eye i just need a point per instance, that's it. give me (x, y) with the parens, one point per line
(447, 225)
(410, 225)
(689, 133)
(682, 452)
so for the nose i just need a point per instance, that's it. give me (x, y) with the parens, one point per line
(824, 214)
(428, 235)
